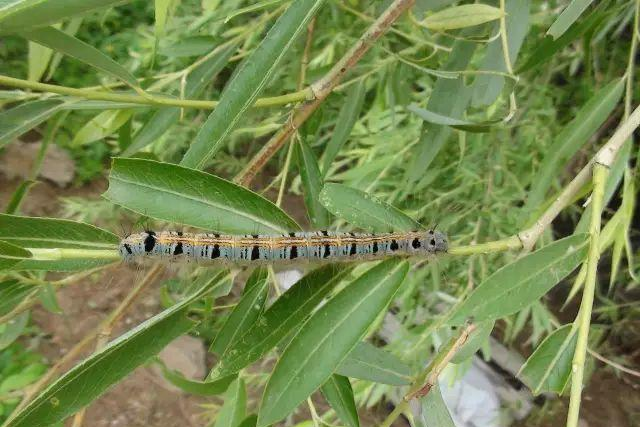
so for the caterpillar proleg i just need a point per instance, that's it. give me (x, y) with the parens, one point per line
(260, 248)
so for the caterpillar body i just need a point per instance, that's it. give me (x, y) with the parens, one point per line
(296, 246)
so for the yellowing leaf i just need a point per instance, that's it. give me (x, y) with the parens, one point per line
(463, 16)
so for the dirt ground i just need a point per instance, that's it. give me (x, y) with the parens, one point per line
(142, 400)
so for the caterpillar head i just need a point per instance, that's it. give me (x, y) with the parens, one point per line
(435, 241)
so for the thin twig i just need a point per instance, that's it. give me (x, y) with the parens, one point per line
(322, 88)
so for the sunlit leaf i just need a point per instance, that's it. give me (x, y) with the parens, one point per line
(248, 82)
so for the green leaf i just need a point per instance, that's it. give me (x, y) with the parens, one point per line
(10, 255)
(164, 118)
(571, 139)
(326, 339)
(161, 9)
(474, 342)
(516, 285)
(174, 193)
(104, 124)
(245, 313)
(21, 15)
(568, 17)
(279, 320)
(368, 362)
(20, 380)
(251, 8)
(67, 44)
(347, 117)
(86, 381)
(11, 331)
(467, 15)
(199, 388)
(547, 47)
(234, 408)
(18, 120)
(363, 210)
(18, 196)
(70, 28)
(13, 293)
(189, 46)
(488, 87)
(248, 82)
(449, 97)
(338, 392)
(440, 119)
(548, 369)
(49, 299)
(433, 411)
(312, 183)
(249, 421)
(49, 233)
(38, 61)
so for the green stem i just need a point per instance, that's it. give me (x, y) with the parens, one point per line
(56, 254)
(510, 243)
(600, 174)
(161, 101)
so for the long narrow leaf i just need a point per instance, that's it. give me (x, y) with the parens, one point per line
(327, 338)
(248, 82)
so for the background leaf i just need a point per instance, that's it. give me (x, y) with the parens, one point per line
(568, 17)
(320, 345)
(248, 82)
(573, 136)
(12, 293)
(20, 15)
(312, 183)
(67, 44)
(347, 117)
(164, 118)
(186, 196)
(18, 120)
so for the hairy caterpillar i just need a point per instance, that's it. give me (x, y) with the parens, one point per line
(258, 248)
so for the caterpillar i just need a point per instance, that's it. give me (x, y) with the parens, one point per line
(259, 248)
